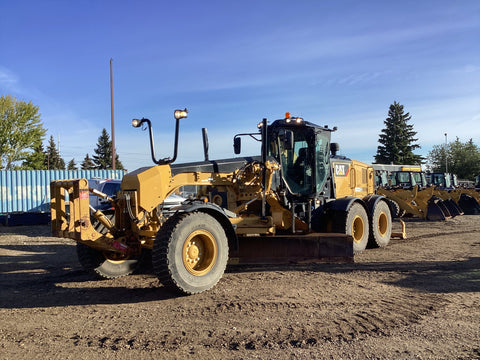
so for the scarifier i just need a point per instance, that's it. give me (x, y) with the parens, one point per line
(296, 202)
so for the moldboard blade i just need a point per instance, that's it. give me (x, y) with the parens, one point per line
(287, 249)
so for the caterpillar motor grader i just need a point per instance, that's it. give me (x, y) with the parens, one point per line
(298, 201)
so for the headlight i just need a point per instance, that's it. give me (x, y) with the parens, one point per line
(180, 114)
(136, 123)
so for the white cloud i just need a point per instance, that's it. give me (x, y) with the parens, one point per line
(468, 69)
(9, 81)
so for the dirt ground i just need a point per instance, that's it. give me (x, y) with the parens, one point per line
(415, 299)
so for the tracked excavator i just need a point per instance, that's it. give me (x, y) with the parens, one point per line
(297, 201)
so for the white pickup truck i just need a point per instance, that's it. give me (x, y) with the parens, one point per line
(107, 186)
(111, 187)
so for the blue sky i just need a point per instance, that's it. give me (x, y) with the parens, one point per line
(232, 63)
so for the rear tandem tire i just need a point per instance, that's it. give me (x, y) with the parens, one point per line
(105, 265)
(190, 252)
(355, 223)
(380, 226)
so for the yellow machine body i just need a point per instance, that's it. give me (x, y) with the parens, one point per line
(353, 178)
(297, 202)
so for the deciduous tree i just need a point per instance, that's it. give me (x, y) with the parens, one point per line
(462, 159)
(21, 131)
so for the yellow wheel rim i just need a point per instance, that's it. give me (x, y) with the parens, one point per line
(382, 224)
(115, 258)
(358, 229)
(199, 252)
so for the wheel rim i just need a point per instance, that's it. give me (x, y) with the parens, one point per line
(358, 229)
(199, 252)
(383, 224)
(115, 258)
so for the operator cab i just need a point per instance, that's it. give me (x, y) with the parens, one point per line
(303, 151)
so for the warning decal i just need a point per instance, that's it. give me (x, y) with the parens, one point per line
(83, 193)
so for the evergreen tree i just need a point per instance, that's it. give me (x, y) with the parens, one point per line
(35, 160)
(87, 163)
(397, 139)
(53, 159)
(72, 165)
(103, 153)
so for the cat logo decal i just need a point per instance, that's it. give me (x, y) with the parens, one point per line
(341, 169)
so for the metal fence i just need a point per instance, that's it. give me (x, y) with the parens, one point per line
(29, 190)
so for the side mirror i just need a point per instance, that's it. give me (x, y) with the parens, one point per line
(288, 140)
(237, 145)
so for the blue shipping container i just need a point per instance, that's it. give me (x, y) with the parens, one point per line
(29, 190)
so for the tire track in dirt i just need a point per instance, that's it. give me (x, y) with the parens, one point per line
(242, 324)
(280, 324)
(444, 233)
(381, 299)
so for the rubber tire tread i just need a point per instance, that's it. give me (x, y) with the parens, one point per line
(375, 239)
(394, 208)
(169, 267)
(95, 263)
(343, 224)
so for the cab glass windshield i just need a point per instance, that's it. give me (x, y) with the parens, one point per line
(304, 163)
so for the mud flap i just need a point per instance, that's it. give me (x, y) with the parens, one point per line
(436, 209)
(469, 205)
(288, 249)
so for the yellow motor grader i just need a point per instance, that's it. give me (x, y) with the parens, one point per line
(296, 202)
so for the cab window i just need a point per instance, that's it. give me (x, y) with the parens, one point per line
(322, 152)
(297, 164)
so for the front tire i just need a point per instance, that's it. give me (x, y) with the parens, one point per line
(190, 252)
(105, 265)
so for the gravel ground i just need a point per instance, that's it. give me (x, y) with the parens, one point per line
(418, 298)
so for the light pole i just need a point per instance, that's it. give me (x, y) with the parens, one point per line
(446, 154)
(112, 117)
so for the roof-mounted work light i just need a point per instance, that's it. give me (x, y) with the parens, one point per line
(289, 118)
